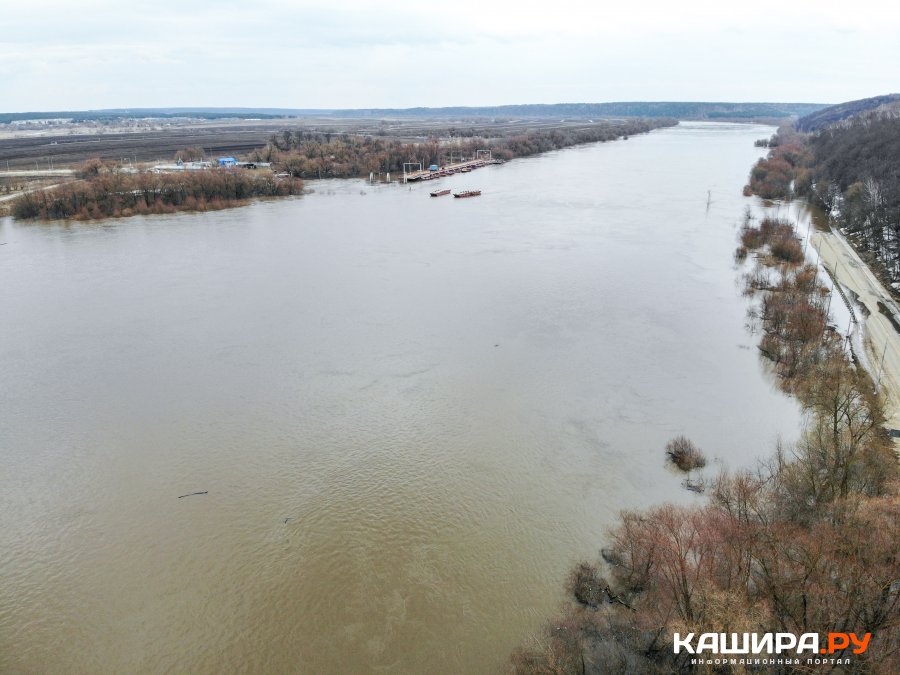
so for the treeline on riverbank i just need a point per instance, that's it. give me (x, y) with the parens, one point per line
(784, 169)
(310, 154)
(109, 194)
(852, 171)
(807, 543)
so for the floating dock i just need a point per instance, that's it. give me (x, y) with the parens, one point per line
(448, 170)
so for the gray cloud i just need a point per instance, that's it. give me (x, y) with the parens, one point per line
(350, 53)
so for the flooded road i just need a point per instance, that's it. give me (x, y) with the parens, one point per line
(409, 415)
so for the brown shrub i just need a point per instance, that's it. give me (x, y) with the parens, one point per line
(587, 585)
(750, 237)
(787, 249)
(684, 454)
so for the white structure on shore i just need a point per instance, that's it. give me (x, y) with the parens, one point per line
(182, 166)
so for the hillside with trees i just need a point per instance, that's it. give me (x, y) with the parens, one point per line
(837, 113)
(855, 175)
(851, 169)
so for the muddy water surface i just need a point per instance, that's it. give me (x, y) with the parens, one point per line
(410, 415)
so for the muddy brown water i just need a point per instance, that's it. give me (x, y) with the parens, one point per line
(408, 416)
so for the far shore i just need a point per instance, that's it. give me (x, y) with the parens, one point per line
(112, 189)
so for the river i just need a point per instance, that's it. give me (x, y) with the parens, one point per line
(408, 416)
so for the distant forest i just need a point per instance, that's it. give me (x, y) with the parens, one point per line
(678, 109)
(836, 113)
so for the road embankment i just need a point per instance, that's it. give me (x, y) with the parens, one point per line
(880, 337)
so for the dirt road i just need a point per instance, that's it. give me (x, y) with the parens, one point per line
(38, 173)
(10, 197)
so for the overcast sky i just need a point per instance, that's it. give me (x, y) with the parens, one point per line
(58, 55)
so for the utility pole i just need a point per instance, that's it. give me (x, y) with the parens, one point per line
(881, 369)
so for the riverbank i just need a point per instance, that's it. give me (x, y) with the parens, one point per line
(310, 154)
(7, 200)
(120, 195)
(807, 540)
(107, 192)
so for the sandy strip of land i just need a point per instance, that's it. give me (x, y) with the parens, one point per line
(13, 195)
(37, 173)
(880, 336)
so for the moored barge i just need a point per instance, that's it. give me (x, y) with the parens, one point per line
(467, 193)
